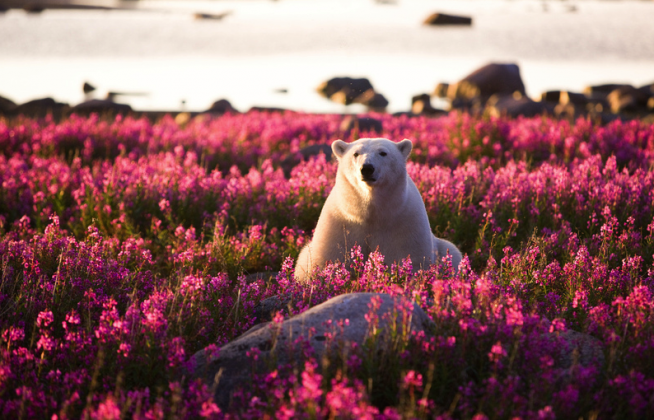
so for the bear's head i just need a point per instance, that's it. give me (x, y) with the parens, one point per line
(372, 163)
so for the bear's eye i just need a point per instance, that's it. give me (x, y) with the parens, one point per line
(382, 153)
(356, 154)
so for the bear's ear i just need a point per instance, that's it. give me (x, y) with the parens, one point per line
(405, 147)
(339, 147)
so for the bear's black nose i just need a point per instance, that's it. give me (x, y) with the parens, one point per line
(367, 170)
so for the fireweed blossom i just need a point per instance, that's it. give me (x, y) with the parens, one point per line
(125, 247)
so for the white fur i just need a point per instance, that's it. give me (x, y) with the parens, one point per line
(386, 214)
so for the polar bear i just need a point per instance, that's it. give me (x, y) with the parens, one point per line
(376, 205)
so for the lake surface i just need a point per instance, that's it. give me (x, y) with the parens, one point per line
(263, 47)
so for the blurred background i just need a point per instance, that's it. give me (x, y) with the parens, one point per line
(185, 55)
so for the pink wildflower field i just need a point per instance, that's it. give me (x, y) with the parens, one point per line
(125, 247)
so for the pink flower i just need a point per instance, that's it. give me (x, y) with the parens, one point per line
(44, 319)
(497, 352)
(209, 408)
(107, 410)
(412, 380)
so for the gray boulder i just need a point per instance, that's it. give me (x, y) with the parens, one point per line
(579, 348)
(232, 368)
(265, 310)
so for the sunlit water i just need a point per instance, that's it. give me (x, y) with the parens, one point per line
(264, 46)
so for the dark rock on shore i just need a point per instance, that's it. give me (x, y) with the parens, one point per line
(445, 19)
(375, 101)
(491, 79)
(602, 91)
(473, 106)
(360, 124)
(210, 16)
(221, 106)
(574, 98)
(232, 367)
(421, 105)
(7, 106)
(347, 90)
(351, 88)
(441, 90)
(100, 107)
(569, 111)
(628, 99)
(517, 105)
(269, 109)
(553, 96)
(648, 90)
(40, 108)
(87, 87)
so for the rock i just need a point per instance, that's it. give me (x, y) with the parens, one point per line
(602, 91)
(40, 108)
(569, 111)
(488, 80)
(265, 310)
(232, 368)
(421, 105)
(210, 16)
(473, 106)
(375, 102)
(266, 276)
(579, 348)
(441, 90)
(268, 109)
(444, 19)
(648, 89)
(7, 106)
(220, 107)
(517, 105)
(349, 88)
(304, 154)
(101, 107)
(550, 96)
(627, 99)
(360, 124)
(573, 98)
(87, 87)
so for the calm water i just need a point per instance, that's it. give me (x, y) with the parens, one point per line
(264, 46)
